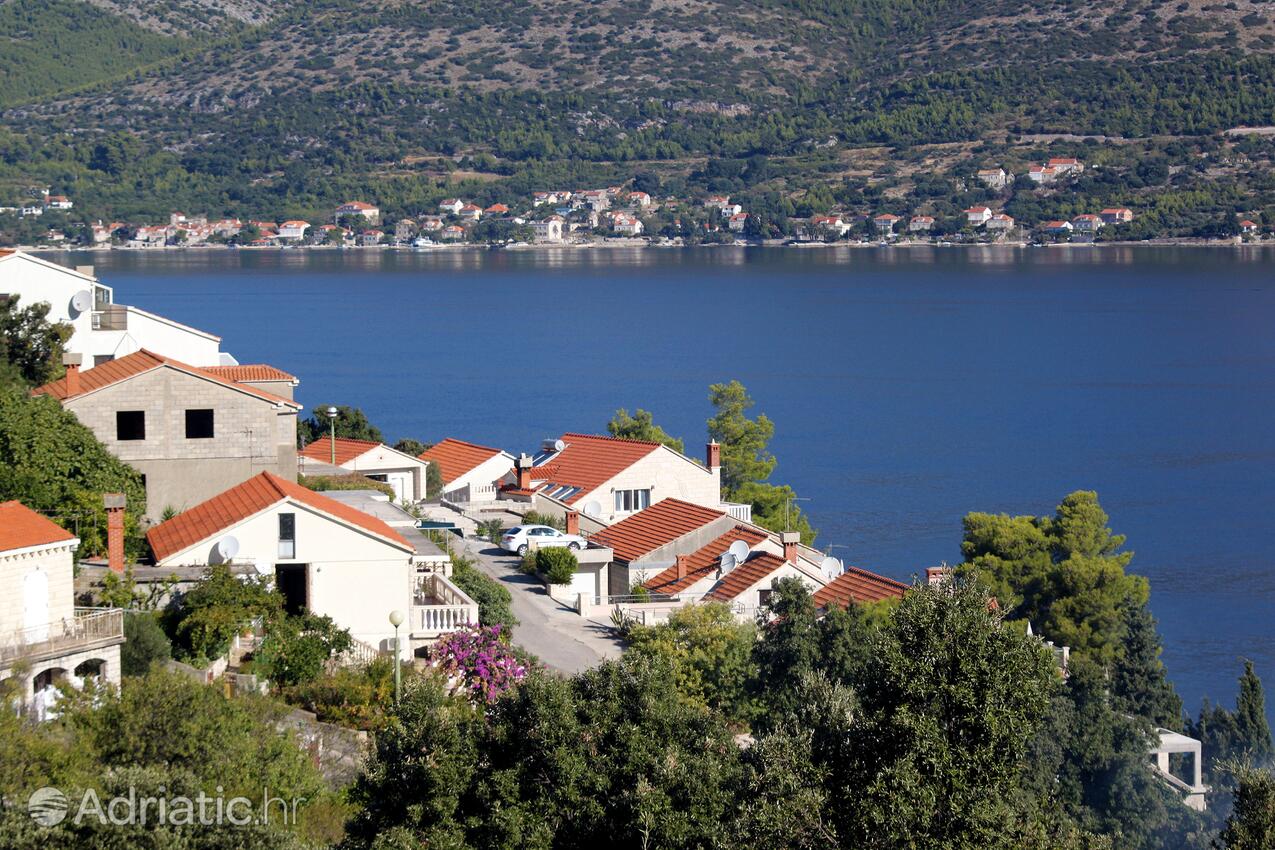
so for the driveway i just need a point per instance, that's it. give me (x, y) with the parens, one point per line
(556, 634)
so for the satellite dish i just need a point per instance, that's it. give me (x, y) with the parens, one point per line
(728, 562)
(227, 547)
(739, 551)
(593, 509)
(831, 568)
(558, 445)
(82, 301)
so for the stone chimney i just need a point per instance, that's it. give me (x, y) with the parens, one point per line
(713, 460)
(683, 566)
(937, 575)
(72, 363)
(790, 539)
(523, 466)
(573, 522)
(114, 503)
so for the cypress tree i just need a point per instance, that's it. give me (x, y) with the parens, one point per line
(1139, 685)
(1250, 715)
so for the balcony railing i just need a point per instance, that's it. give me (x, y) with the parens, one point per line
(87, 628)
(439, 607)
(111, 318)
(743, 513)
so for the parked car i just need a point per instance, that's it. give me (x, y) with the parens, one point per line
(519, 539)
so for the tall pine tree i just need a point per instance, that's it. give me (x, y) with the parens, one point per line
(1139, 685)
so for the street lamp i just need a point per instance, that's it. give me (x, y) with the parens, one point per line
(396, 620)
(331, 411)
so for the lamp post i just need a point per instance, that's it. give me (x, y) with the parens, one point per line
(331, 411)
(396, 620)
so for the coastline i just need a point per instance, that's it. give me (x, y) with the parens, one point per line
(629, 244)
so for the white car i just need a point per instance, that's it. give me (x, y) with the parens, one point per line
(519, 539)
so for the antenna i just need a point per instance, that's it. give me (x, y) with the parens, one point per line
(593, 509)
(739, 551)
(81, 301)
(831, 568)
(227, 547)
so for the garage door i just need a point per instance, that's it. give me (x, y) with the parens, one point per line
(584, 581)
(402, 484)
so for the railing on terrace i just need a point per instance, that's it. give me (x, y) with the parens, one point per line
(359, 654)
(88, 626)
(438, 607)
(741, 512)
(111, 318)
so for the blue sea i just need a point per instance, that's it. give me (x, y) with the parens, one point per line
(907, 386)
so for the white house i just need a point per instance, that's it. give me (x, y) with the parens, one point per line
(358, 208)
(470, 212)
(978, 216)
(103, 330)
(921, 224)
(627, 225)
(451, 206)
(1000, 222)
(324, 556)
(294, 230)
(548, 230)
(42, 633)
(470, 472)
(607, 478)
(994, 178)
(404, 473)
(58, 202)
(738, 222)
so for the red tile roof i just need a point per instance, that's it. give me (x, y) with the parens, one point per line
(250, 372)
(857, 585)
(456, 457)
(131, 365)
(346, 449)
(21, 527)
(702, 562)
(648, 530)
(745, 576)
(589, 461)
(221, 512)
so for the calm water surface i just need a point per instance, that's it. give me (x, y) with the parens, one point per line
(907, 387)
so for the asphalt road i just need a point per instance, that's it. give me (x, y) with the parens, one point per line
(556, 634)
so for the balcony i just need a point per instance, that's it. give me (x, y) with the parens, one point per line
(438, 607)
(111, 318)
(89, 628)
(743, 513)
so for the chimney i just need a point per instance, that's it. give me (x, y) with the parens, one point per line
(523, 466)
(714, 455)
(683, 566)
(72, 363)
(937, 575)
(114, 503)
(790, 539)
(573, 522)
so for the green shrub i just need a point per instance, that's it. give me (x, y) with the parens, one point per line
(491, 529)
(296, 649)
(355, 698)
(557, 564)
(320, 483)
(144, 643)
(493, 598)
(529, 565)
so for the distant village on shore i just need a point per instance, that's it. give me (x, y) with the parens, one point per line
(611, 214)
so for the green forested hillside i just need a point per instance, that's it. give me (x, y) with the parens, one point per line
(50, 46)
(845, 101)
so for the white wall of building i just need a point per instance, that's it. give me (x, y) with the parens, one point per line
(482, 479)
(667, 474)
(128, 329)
(406, 474)
(353, 577)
